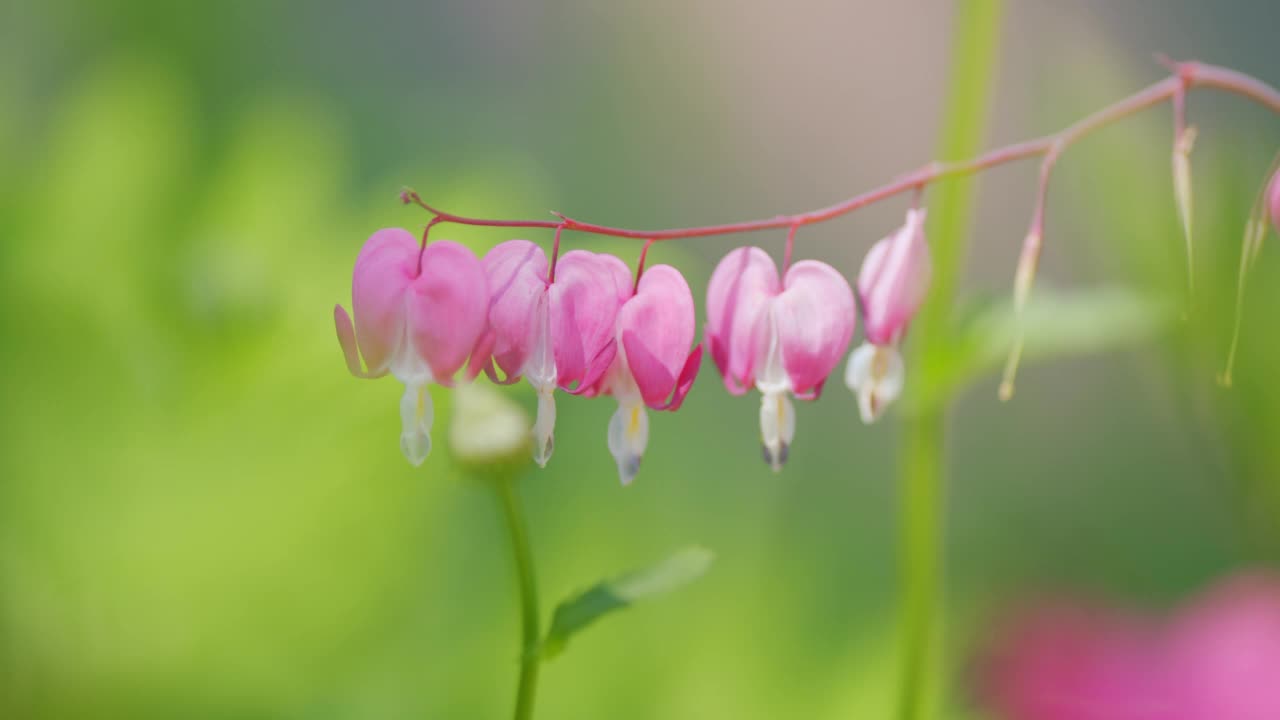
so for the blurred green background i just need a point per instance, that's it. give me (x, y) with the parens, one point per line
(202, 515)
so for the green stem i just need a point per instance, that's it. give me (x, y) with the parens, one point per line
(530, 634)
(923, 448)
(922, 498)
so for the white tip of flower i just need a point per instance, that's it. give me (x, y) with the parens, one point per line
(777, 428)
(628, 437)
(486, 427)
(544, 427)
(416, 416)
(875, 374)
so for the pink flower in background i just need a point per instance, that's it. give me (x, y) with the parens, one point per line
(653, 366)
(1224, 652)
(555, 334)
(418, 314)
(892, 285)
(1218, 659)
(784, 337)
(1075, 662)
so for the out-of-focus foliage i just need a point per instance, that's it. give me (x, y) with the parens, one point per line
(605, 597)
(203, 516)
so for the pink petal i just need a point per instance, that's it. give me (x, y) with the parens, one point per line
(739, 292)
(894, 280)
(657, 327)
(584, 307)
(685, 381)
(448, 307)
(385, 267)
(816, 317)
(517, 276)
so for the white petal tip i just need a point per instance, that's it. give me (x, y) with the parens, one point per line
(628, 436)
(542, 449)
(628, 468)
(776, 457)
(544, 426)
(415, 447)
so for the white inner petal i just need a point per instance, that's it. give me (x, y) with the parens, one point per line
(771, 376)
(540, 370)
(777, 427)
(544, 426)
(416, 412)
(876, 373)
(416, 416)
(628, 436)
(407, 365)
(777, 414)
(540, 366)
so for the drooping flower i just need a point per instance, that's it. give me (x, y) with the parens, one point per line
(653, 366)
(555, 334)
(418, 314)
(784, 337)
(892, 285)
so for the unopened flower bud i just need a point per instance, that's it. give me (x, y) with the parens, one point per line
(1182, 188)
(892, 285)
(489, 432)
(1023, 279)
(893, 281)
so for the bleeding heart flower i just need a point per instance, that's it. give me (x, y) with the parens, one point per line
(556, 334)
(783, 337)
(892, 285)
(418, 314)
(653, 365)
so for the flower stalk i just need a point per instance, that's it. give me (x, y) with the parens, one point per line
(1187, 76)
(530, 633)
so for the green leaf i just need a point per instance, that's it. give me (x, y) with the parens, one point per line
(576, 613)
(1057, 324)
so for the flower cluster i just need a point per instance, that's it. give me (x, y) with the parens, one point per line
(581, 324)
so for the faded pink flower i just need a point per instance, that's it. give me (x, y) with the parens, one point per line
(1076, 662)
(418, 314)
(1217, 659)
(1224, 652)
(654, 366)
(892, 285)
(555, 334)
(784, 337)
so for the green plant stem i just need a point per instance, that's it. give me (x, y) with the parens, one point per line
(920, 480)
(530, 634)
(923, 446)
